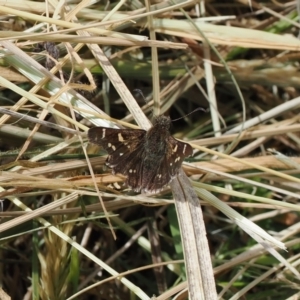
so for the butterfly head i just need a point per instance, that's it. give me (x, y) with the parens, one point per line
(163, 122)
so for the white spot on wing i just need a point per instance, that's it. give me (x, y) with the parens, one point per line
(184, 147)
(113, 147)
(120, 137)
(121, 154)
(175, 149)
(109, 145)
(103, 133)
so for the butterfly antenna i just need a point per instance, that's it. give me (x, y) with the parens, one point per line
(145, 99)
(199, 108)
(141, 93)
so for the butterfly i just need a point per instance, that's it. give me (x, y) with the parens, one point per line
(149, 159)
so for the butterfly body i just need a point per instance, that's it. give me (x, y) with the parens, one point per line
(156, 138)
(150, 159)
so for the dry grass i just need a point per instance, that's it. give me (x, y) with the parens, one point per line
(59, 221)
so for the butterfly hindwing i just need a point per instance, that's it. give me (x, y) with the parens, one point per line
(163, 170)
(134, 169)
(157, 177)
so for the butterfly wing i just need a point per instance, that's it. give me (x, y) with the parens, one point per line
(113, 140)
(125, 152)
(164, 170)
(177, 152)
(118, 143)
(133, 168)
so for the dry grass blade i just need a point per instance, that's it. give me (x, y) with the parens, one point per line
(242, 37)
(197, 256)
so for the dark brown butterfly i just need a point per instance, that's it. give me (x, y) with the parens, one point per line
(150, 159)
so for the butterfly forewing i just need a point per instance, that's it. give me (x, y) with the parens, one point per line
(177, 152)
(117, 142)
